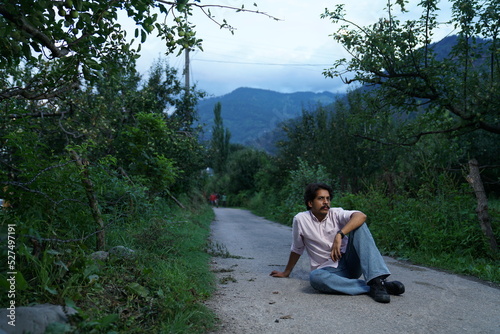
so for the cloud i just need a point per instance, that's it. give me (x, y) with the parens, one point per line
(286, 56)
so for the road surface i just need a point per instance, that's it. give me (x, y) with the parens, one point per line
(249, 301)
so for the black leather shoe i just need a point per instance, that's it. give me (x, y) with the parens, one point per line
(378, 291)
(394, 287)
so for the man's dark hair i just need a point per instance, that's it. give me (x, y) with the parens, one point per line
(312, 189)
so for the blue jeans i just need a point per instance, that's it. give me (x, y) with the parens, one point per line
(362, 257)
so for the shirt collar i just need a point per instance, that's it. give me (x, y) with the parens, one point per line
(315, 219)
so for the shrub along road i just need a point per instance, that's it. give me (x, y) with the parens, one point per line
(248, 300)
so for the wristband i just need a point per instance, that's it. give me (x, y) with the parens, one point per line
(341, 234)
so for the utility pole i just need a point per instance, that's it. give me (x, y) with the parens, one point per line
(186, 69)
(188, 114)
(186, 62)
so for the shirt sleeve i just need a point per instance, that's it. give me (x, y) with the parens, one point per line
(297, 241)
(344, 216)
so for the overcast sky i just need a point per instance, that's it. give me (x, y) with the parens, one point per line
(285, 56)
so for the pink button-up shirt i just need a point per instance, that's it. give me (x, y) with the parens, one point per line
(316, 237)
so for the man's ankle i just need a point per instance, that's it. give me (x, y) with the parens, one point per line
(377, 280)
(378, 291)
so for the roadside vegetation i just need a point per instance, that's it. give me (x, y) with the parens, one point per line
(156, 284)
(100, 171)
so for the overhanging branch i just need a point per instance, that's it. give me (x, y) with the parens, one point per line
(238, 9)
(36, 95)
(416, 138)
(37, 35)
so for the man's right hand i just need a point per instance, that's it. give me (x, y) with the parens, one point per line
(292, 260)
(276, 273)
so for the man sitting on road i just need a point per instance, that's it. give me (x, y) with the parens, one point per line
(338, 260)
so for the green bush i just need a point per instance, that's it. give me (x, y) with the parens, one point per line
(159, 289)
(291, 197)
(440, 230)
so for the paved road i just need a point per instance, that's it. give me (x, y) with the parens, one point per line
(249, 301)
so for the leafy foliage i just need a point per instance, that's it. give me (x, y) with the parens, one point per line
(133, 158)
(157, 288)
(77, 34)
(69, 39)
(453, 94)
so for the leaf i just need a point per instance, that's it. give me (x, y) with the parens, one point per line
(21, 283)
(71, 303)
(108, 320)
(51, 290)
(61, 264)
(138, 289)
(93, 278)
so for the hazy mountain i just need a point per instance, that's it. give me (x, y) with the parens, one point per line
(251, 113)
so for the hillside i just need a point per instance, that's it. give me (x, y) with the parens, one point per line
(250, 113)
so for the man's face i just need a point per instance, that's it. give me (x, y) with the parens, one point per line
(321, 204)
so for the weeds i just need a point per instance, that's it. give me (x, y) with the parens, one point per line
(159, 289)
(227, 279)
(223, 270)
(219, 250)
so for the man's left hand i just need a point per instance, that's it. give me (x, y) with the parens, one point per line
(336, 254)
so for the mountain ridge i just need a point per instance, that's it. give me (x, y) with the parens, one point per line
(250, 113)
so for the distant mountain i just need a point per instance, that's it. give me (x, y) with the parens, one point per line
(253, 115)
(250, 113)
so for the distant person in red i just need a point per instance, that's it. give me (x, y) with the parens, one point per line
(213, 199)
(338, 260)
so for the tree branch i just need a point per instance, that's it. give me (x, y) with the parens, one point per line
(40, 114)
(237, 9)
(92, 198)
(25, 26)
(416, 138)
(33, 95)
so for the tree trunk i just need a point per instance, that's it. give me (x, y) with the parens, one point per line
(474, 179)
(176, 200)
(92, 198)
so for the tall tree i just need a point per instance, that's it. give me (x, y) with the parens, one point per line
(220, 141)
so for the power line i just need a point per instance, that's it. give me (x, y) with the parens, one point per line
(256, 63)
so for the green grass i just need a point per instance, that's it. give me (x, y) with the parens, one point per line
(485, 269)
(159, 289)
